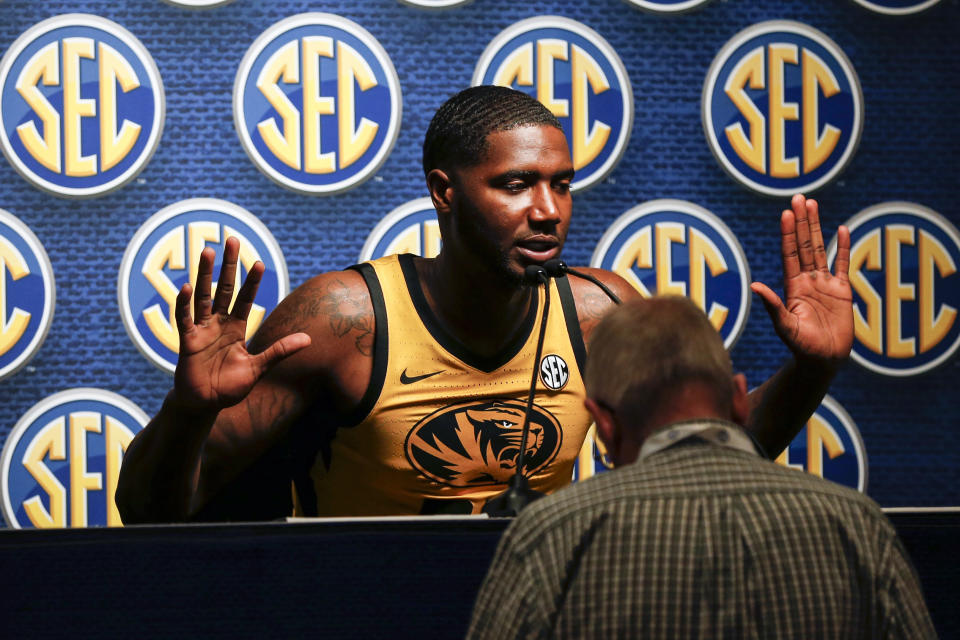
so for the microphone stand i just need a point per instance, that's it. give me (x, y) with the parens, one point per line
(519, 494)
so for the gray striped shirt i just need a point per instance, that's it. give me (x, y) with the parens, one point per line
(702, 541)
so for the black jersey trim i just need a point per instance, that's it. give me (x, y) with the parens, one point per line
(450, 343)
(380, 346)
(573, 321)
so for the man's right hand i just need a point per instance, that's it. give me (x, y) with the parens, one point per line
(215, 370)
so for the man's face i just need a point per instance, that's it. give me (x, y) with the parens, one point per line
(513, 209)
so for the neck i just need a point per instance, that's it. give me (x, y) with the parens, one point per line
(693, 401)
(479, 309)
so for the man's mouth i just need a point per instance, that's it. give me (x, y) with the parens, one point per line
(539, 248)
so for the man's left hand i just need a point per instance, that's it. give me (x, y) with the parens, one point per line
(816, 322)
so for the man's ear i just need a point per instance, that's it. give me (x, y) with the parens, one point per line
(440, 186)
(740, 407)
(607, 429)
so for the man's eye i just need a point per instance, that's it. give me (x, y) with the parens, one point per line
(514, 186)
(562, 187)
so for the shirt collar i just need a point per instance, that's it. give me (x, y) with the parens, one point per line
(714, 431)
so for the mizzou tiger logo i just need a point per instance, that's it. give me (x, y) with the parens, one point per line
(477, 443)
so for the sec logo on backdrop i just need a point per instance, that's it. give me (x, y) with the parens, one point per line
(316, 103)
(410, 228)
(578, 76)
(163, 255)
(676, 247)
(27, 294)
(667, 6)
(906, 291)
(82, 105)
(592, 458)
(782, 108)
(198, 4)
(435, 4)
(61, 461)
(829, 446)
(897, 7)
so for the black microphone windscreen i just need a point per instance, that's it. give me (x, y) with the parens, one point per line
(555, 267)
(533, 273)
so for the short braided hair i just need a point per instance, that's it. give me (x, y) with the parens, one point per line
(457, 135)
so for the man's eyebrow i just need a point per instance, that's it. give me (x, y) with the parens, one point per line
(516, 174)
(529, 174)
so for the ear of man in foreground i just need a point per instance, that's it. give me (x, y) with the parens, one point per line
(694, 534)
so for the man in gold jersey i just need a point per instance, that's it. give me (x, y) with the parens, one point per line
(402, 383)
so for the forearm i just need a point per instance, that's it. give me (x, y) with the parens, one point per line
(161, 467)
(781, 406)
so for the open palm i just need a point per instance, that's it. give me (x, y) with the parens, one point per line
(215, 370)
(816, 321)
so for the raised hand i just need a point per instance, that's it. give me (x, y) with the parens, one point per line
(215, 370)
(816, 321)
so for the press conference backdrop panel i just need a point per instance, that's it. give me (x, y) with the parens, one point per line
(131, 141)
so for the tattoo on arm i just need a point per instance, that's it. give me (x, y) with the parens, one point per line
(270, 411)
(349, 313)
(346, 310)
(592, 308)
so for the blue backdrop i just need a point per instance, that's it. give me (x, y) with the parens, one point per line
(908, 151)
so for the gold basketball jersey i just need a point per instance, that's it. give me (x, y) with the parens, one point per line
(441, 427)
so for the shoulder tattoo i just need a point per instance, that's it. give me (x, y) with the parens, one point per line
(590, 310)
(349, 313)
(347, 310)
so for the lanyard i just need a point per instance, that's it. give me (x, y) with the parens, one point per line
(718, 432)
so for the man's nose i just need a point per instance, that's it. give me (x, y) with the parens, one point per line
(545, 207)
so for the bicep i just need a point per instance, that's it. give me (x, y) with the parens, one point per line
(330, 309)
(336, 311)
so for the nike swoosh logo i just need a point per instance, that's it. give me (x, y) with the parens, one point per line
(405, 379)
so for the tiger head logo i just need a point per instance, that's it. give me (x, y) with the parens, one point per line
(477, 443)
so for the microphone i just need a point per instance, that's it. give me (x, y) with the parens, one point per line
(555, 267)
(519, 494)
(535, 274)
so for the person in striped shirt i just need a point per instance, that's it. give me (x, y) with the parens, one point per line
(695, 533)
